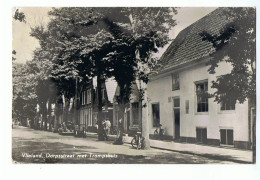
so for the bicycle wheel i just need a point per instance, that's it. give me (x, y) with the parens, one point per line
(134, 143)
(116, 131)
(155, 132)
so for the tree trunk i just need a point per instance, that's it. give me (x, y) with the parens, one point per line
(66, 109)
(35, 121)
(121, 110)
(44, 116)
(58, 111)
(75, 103)
(100, 115)
(254, 138)
(49, 116)
(55, 126)
(145, 122)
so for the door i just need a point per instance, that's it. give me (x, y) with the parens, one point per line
(176, 111)
(226, 136)
(201, 135)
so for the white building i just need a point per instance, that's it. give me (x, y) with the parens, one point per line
(174, 99)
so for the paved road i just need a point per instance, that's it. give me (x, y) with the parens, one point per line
(34, 146)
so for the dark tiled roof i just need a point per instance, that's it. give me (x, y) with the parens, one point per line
(188, 45)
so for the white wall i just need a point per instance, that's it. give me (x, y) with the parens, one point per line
(160, 89)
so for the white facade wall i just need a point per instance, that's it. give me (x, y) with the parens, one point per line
(159, 90)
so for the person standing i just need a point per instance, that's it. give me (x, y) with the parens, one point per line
(104, 128)
(108, 126)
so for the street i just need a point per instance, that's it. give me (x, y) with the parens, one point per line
(35, 146)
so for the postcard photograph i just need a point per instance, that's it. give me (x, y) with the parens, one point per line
(134, 85)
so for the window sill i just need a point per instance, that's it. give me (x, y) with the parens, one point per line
(201, 113)
(226, 111)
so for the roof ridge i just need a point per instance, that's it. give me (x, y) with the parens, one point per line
(188, 45)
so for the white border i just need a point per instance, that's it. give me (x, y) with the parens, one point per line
(149, 172)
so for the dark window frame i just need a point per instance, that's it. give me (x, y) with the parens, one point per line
(175, 82)
(89, 96)
(202, 102)
(156, 121)
(231, 106)
(135, 112)
(83, 98)
(187, 106)
(201, 135)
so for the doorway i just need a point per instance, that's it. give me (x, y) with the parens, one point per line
(226, 136)
(176, 112)
(201, 135)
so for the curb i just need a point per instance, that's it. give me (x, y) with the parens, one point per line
(210, 156)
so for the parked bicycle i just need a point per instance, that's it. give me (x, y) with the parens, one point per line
(138, 141)
(159, 132)
(114, 130)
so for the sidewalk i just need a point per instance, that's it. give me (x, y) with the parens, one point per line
(219, 153)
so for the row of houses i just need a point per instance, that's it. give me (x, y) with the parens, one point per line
(174, 96)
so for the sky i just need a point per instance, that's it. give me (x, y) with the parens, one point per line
(24, 44)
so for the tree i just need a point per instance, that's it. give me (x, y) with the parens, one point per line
(147, 30)
(57, 72)
(19, 16)
(40, 69)
(24, 97)
(104, 42)
(235, 44)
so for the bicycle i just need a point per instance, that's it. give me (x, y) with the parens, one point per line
(159, 132)
(114, 130)
(138, 141)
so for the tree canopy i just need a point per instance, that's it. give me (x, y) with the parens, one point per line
(19, 16)
(80, 43)
(24, 96)
(235, 44)
(106, 41)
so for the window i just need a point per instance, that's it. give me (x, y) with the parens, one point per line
(175, 82)
(88, 96)
(135, 111)
(201, 135)
(156, 114)
(176, 102)
(83, 117)
(89, 116)
(83, 97)
(187, 106)
(227, 106)
(202, 96)
(226, 136)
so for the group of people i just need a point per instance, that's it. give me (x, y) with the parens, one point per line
(106, 127)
